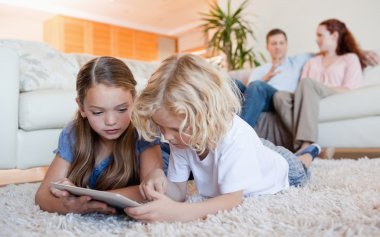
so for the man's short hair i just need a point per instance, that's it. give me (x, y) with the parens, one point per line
(276, 32)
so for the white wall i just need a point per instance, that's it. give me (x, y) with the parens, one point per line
(27, 24)
(191, 39)
(300, 18)
(21, 23)
(166, 47)
(18, 28)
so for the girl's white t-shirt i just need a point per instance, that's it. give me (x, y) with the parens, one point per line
(239, 162)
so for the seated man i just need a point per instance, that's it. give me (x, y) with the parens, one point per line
(281, 74)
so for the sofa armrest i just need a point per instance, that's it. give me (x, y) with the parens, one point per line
(9, 91)
(241, 75)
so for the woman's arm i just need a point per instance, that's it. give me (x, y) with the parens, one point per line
(165, 209)
(61, 201)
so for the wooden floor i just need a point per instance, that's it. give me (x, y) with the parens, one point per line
(15, 176)
(357, 153)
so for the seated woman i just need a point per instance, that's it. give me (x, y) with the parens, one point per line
(336, 69)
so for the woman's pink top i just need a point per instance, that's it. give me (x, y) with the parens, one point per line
(344, 72)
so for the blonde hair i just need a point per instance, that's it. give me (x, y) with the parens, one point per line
(122, 170)
(194, 91)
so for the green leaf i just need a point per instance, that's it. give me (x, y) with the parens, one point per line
(231, 34)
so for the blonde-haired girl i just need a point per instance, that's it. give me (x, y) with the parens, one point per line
(100, 148)
(195, 108)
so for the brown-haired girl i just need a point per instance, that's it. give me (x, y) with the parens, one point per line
(100, 149)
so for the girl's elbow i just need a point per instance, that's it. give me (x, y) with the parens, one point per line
(40, 200)
(237, 202)
(237, 198)
(37, 197)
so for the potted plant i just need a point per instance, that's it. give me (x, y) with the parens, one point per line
(230, 33)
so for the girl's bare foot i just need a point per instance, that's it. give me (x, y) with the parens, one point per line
(306, 159)
(308, 154)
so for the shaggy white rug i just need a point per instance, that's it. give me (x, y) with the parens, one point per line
(342, 199)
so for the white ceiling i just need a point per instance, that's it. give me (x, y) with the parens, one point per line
(169, 17)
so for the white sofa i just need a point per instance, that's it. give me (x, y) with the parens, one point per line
(38, 98)
(346, 120)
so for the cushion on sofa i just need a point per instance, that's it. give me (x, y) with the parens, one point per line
(351, 133)
(46, 109)
(42, 67)
(371, 75)
(357, 103)
(141, 70)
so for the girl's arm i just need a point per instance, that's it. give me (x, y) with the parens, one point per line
(165, 209)
(170, 207)
(176, 191)
(157, 182)
(150, 160)
(62, 202)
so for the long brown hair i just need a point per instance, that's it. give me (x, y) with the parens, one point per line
(346, 41)
(122, 170)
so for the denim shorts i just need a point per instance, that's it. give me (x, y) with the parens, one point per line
(299, 174)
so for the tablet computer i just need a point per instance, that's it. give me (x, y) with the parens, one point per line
(112, 199)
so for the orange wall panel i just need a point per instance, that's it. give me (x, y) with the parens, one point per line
(123, 42)
(74, 31)
(146, 46)
(72, 35)
(101, 39)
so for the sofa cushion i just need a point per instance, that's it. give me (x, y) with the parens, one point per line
(371, 75)
(141, 70)
(351, 133)
(46, 109)
(357, 103)
(35, 148)
(43, 67)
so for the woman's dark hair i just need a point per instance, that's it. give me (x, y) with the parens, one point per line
(346, 41)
